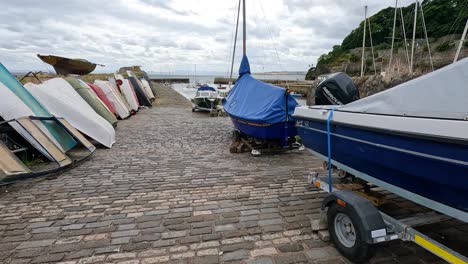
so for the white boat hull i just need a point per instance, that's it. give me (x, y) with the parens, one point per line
(59, 97)
(114, 98)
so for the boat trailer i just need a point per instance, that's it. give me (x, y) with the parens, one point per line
(355, 223)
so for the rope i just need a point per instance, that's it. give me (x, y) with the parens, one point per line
(235, 43)
(231, 41)
(372, 45)
(330, 116)
(427, 39)
(273, 42)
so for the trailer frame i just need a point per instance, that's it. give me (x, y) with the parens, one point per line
(402, 229)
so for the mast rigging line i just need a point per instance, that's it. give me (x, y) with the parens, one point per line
(273, 42)
(372, 46)
(404, 33)
(364, 41)
(236, 7)
(414, 34)
(393, 35)
(427, 39)
(235, 43)
(462, 40)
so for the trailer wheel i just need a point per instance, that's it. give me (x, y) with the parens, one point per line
(346, 233)
(193, 109)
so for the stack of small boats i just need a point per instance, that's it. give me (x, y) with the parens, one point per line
(59, 118)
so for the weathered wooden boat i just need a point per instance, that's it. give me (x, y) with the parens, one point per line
(68, 66)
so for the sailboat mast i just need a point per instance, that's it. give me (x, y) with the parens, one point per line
(404, 35)
(393, 36)
(414, 34)
(461, 42)
(372, 46)
(363, 41)
(427, 39)
(235, 43)
(244, 40)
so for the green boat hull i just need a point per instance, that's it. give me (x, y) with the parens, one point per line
(91, 98)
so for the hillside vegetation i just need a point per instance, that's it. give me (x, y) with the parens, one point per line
(445, 20)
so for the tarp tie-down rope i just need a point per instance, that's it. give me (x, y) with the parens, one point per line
(330, 116)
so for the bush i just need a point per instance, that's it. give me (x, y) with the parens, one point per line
(382, 46)
(465, 44)
(444, 47)
(353, 57)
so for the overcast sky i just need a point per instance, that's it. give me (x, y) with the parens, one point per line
(174, 35)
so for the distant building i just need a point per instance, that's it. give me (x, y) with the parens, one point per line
(134, 69)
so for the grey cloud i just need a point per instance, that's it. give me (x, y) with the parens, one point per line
(116, 33)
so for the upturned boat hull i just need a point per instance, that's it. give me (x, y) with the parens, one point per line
(432, 168)
(68, 66)
(140, 93)
(91, 98)
(56, 94)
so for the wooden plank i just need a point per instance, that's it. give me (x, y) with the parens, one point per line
(10, 164)
(75, 133)
(44, 141)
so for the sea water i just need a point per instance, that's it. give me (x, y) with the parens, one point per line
(189, 92)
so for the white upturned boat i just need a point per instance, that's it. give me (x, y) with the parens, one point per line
(127, 91)
(147, 88)
(114, 98)
(61, 99)
(13, 108)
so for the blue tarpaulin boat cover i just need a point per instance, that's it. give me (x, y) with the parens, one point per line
(206, 88)
(256, 101)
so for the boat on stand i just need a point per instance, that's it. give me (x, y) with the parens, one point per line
(260, 112)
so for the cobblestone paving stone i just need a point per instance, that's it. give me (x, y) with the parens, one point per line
(170, 191)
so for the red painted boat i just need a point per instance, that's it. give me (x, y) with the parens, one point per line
(100, 93)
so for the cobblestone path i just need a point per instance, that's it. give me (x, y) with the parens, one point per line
(170, 191)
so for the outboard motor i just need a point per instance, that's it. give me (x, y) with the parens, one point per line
(337, 89)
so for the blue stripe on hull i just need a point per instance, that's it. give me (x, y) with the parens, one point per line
(435, 170)
(275, 131)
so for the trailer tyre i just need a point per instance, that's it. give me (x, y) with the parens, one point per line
(346, 233)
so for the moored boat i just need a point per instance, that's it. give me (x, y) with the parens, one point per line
(411, 139)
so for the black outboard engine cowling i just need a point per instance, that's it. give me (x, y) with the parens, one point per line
(336, 89)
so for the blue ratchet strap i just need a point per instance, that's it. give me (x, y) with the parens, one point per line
(330, 183)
